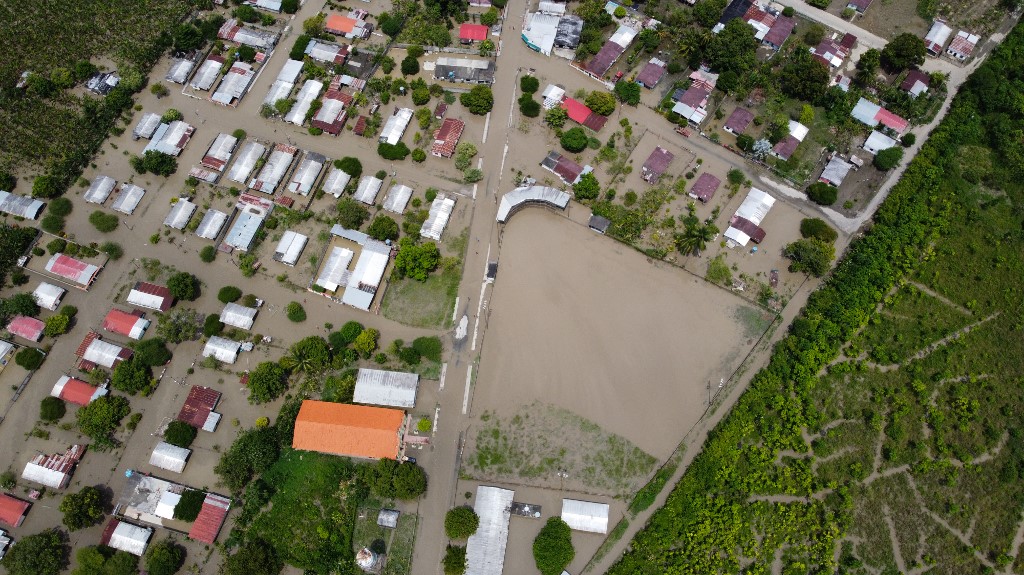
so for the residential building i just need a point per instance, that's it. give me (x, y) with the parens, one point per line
(336, 182)
(566, 169)
(963, 45)
(208, 72)
(96, 352)
(222, 349)
(219, 153)
(916, 82)
(585, 515)
(704, 187)
(485, 549)
(20, 206)
(446, 138)
(53, 471)
(652, 73)
(306, 173)
(835, 171)
(211, 225)
(348, 430)
(290, 248)
(581, 114)
(353, 25)
(878, 141)
(395, 126)
(274, 169)
(26, 327)
(102, 83)
(387, 388)
(235, 84)
(180, 213)
(309, 92)
(246, 161)
(12, 510)
(935, 39)
(785, 148)
(76, 391)
(779, 32)
(148, 124)
(738, 121)
(239, 316)
(150, 296)
(75, 271)
(48, 296)
(860, 6)
(872, 114)
(469, 33)
(128, 199)
(745, 224)
(124, 536)
(437, 219)
(611, 51)
(656, 164)
(169, 457)
(131, 325)
(198, 409)
(250, 212)
(171, 138)
(397, 198)
(464, 70)
(362, 282)
(333, 112)
(327, 52)
(368, 189)
(233, 31)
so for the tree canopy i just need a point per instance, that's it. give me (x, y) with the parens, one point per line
(82, 509)
(574, 139)
(253, 558)
(190, 504)
(810, 255)
(478, 100)
(552, 549)
(587, 188)
(252, 453)
(383, 228)
(904, 51)
(415, 260)
(267, 382)
(822, 194)
(131, 376)
(44, 553)
(601, 102)
(165, 557)
(180, 433)
(310, 354)
(804, 77)
(888, 159)
(183, 286)
(102, 416)
(628, 93)
(461, 522)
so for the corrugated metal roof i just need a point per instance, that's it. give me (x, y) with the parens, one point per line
(148, 124)
(208, 72)
(391, 388)
(755, 206)
(836, 170)
(128, 199)
(243, 231)
(99, 190)
(290, 247)
(333, 273)
(48, 295)
(169, 457)
(22, 206)
(126, 324)
(238, 316)
(485, 549)
(705, 187)
(310, 91)
(368, 189)
(181, 212)
(179, 70)
(150, 296)
(518, 197)
(585, 515)
(397, 198)
(437, 219)
(245, 161)
(274, 169)
(306, 173)
(105, 354)
(211, 517)
(127, 537)
(335, 182)
(76, 391)
(348, 430)
(219, 153)
(197, 410)
(211, 225)
(55, 470)
(69, 268)
(366, 277)
(222, 349)
(12, 511)
(235, 83)
(878, 141)
(395, 126)
(26, 327)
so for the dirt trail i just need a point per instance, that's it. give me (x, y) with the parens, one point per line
(942, 298)
(930, 348)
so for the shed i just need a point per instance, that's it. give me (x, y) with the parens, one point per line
(99, 190)
(20, 206)
(935, 39)
(126, 537)
(128, 199)
(198, 409)
(397, 198)
(181, 212)
(705, 187)
(334, 271)
(76, 391)
(388, 518)
(53, 471)
(150, 296)
(368, 189)
(48, 296)
(390, 388)
(585, 515)
(131, 325)
(212, 223)
(485, 549)
(222, 349)
(12, 510)
(599, 224)
(878, 141)
(238, 315)
(148, 124)
(26, 327)
(290, 248)
(437, 219)
(169, 457)
(348, 430)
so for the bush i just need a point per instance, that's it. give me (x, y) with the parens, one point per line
(69, 310)
(208, 254)
(56, 325)
(888, 159)
(267, 382)
(59, 207)
(52, 223)
(349, 165)
(383, 228)
(183, 286)
(528, 106)
(348, 334)
(103, 222)
(52, 409)
(228, 294)
(529, 84)
(180, 433)
(810, 255)
(479, 100)
(113, 250)
(552, 549)
(461, 522)
(574, 139)
(166, 557)
(822, 194)
(454, 561)
(818, 228)
(419, 156)
(189, 506)
(393, 151)
(82, 509)
(295, 312)
(472, 175)
(29, 358)
(212, 325)
(908, 140)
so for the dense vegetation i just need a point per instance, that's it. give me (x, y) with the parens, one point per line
(914, 457)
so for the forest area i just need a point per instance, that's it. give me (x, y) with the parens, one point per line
(884, 436)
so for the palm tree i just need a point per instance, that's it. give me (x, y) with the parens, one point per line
(695, 238)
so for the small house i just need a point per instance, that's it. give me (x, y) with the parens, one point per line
(150, 296)
(786, 146)
(916, 83)
(935, 39)
(446, 138)
(860, 6)
(835, 171)
(469, 33)
(656, 164)
(198, 409)
(963, 45)
(705, 187)
(48, 296)
(76, 391)
(738, 121)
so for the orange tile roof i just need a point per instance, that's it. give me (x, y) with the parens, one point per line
(338, 23)
(350, 430)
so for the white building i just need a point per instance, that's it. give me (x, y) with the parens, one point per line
(212, 223)
(485, 549)
(290, 248)
(128, 199)
(222, 349)
(310, 91)
(181, 212)
(397, 198)
(306, 173)
(169, 457)
(129, 538)
(390, 388)
(245, 162)
(585, 515)
(238, 316)
(368, 189)
(437, 219)
(48, 296)
(395, 126)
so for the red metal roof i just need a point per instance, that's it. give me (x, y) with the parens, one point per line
(890, 120)
(360, 126)
(156, 290)
(739, 120)
(440, 110)
(29, 328)
(211, 517)
(121, 322)
(650, 75)
(913, 77)
(108, 530)
(473, 32)
(578, 111)
(200, 402)
(447, 137)
(77, 391)
(86, 342)
(785, 148)
(12, 511)
(657, 163)
(748, 227)
(780, 31)
(705, 187)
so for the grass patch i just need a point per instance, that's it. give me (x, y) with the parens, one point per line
(646, 496)
(613, 537)
(423, 304)
(403, 539)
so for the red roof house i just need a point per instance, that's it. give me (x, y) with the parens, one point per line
(12, 510)
(131, 325)
(333, 112)
(211, 518)
(198, 409)
(581, 114)
(754, 231)
(69, 268)
(469, 33)
(94, 351)
(447, 137)
(339, 25)
(916, 82)
(29, 328)
(360, 128)
(705, 187)
(656, 164)
(738, 121)
(151, 296)
(76, 391)
(651, 73)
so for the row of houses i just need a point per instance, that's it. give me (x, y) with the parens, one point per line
(961, 48)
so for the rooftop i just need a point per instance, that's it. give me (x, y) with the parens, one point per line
(390, 388)
(348, 430)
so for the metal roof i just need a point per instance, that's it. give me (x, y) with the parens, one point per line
(12, 510)
(131, 325)
(290, 71)
(55, 470)
(368, 189)
(705, 187)
(48, 295)
(219, 153)
(464, 70)
(211, 225)
(171, 138)
(755, 206)
(20, 205)
(366, 277)
(274, 169)
(936, 37)
(290, 248)
(181, 212)
(233, 30)
(518, 197)
(26, 327)
(245, 161)
(198, 409)
(238, 316)
(222, 349)
(388, 518)
(541, 29)
(211, 517)
(485, 549)
(76, 391)
(652, 73)
(128, 199)
(179, 70)
(150, 296)
(99, 190)
(207, 74)
(243, 231)
(279, 90)
(440, 211)
(585, 515)
(310, 91)
(105, 353)
(148, 124)
(878, 141)
(836, 170)
(169, 457)
(129, 538)
(333, 272)
(395, 126)
(397, 198)
(306, 173)
(335, 182)
(391, 388)
(69, 268)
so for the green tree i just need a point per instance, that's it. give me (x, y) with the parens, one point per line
(166, 557)
(19, 304)
(886, 160)
(180, 433)
(410, 66)
(574, 139)
(410, 481)
(310, 354)
(461, 522)
(290, 6)
(178, 325)
(904, 51)
(183, 286)
(529, 84)
(479, 100)
(131, 376)
(295, 312)
(52, 409)
(587, 188)
(254, 558)
(82, 509)
(46, 187)
(267, 382)
(91, 561)
(190, 504)
(102, 416)
(822, 194)
(429, 347)
(29, 358)
(152, 352)
(819, 229)
(346, 335)
(454, 561)
(556, 117)
(366, 342)
(601, 102)
(552, 549)
(695, 238)
(208, 254)
(349, 165)
(56, 325)
(490, 18)
(383, 228)
(419, 155)
(628, 93)
(351, 213)
(58, 206)
(528, 106)
(810, 255)
(416, 260)
(159, 163)
(867, 66)
(804, 77)
(228, 294)
(44, 553)
(7, 183)
(103, 221)
(252, 453)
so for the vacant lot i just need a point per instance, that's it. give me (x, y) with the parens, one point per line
(584, 323)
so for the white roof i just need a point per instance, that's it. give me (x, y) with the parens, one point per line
(541, 28)
(102, 353)
(148, 124)
(756, 206)
(878, 141)
(440, 210)
(485, 549)
(695, 115)
(245, 161)
(48, 295)
(235, 83)
(146, 300)
(181, 212)
(256, 38)
(169, 457)
(279, 90)
(585, 515)
(5, 348)
(334, 271)
(52, 478)
(213, 222)
(391, 388)
(623, 36)
(222, 349)
(170, 138)
(336, 181)
(290, 247)
(937, 36)
(290, 71)
(368, 189)
(365, 278)
(395, 126)
(238, 316)
(20, 205)
(168, 501)
(865, 111)
(128, 199)
(99, 190)
(511, 201)
(244, 229)
(272, 5)
(551, 7)
(306, 173)
(130, 538)
(397, 198)
(207, 75)
(322, 51)
(330, 109)
(179, 71)
(273, 171)
(309, 92)
(836, 170)
(220, 151)
(553, 96)
(798, 130)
